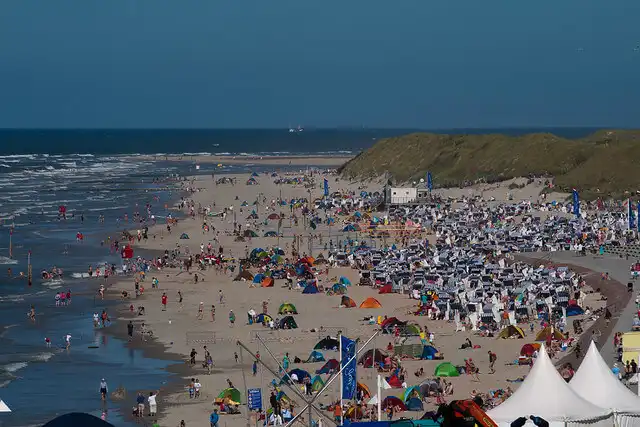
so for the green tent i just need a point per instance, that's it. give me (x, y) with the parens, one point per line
(446, 369)
(317, 383)
(231, 393)
(287, 308)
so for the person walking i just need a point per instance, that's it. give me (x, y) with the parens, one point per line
(153, 404)
(492, 361)
(103, 390)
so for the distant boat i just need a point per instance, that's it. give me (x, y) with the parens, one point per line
(296, 130)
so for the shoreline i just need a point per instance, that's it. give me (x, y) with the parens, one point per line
(274, 160)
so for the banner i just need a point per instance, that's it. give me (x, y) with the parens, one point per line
(349, 377)
(326, 187)
(637, 213)
(429, 181)
(631, 216)
(576, 203)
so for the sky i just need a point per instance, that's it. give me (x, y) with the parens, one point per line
(277, 63)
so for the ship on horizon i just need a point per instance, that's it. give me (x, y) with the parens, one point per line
(296, 130)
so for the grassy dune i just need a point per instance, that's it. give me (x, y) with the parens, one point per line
(603, 164)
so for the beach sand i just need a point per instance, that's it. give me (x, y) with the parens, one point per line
(180, 330)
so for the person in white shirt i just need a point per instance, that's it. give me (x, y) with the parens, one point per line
(196, 387)
(275, 420)
(153, 405)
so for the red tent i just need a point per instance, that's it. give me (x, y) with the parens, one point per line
(394, 381)
(386, 289)
(127, 252)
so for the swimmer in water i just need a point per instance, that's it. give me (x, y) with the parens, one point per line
(67, 339)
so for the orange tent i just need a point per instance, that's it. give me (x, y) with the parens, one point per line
(371, 303)
(347, 302)
(267, 282)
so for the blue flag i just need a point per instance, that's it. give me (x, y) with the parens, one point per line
(429, 181)
(326, 187)
(576, 203)
(349, 377)
(630, 215)
(638, 213)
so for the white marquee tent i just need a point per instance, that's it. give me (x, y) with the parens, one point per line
(4, 407)
(595, 382)
(545, 394)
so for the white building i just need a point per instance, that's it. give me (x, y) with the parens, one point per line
(405, 195)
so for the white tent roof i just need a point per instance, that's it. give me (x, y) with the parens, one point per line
(544, 393)
(4, 407)
(595, 382)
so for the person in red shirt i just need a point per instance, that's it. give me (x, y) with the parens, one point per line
(164, 301)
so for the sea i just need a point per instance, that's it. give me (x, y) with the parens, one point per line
(96, 173)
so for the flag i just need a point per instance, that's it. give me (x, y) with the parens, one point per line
(429, 181)
(383, 383)
(326, 187)
(631, 215)
(576, 203)
(638, 213)
(348, 364)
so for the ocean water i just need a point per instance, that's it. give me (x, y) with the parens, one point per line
(221, 141)
(87, 172)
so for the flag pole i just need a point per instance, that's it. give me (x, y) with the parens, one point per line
(379, 400)
(341, 379)
(11, 243)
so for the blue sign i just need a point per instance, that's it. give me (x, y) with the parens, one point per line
(429, 181)
(254, 399)
(576, 203)
(326, 187)
(349, 377)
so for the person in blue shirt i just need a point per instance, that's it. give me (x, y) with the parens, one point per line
(214, 418)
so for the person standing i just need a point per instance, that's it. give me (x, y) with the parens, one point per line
(130, 330)
(492, 362)
(232, 318)
(164, 301)
(140, 401)
(153, 404)
(214, 418)
(103, 390)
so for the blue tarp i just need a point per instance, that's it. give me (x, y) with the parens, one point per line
(428, 352)
(310, 289)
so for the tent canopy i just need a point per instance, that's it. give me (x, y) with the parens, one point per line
(287, 308)
(371, 303)
(549, 330)
(511, 331)
(446, 369)
(595, 382)
(288, 322)
(332, 365)
(534, 397)
(267, 282)
(230, 393)
(311, 288)
(184, 236)
(348, 302)
(77, 419)
(327, 343)
(315, 356)
(263, 318)
(529, 349)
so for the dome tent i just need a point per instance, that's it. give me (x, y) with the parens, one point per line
(446, 369)
(287, 308)
(315, 356)
(511, 331)
(371, 303)
(77, 419)
(545, 394)
(595, 382)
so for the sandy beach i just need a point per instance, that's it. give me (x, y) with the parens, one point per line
(180, 330)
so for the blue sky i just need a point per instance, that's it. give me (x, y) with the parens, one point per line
(272, 63)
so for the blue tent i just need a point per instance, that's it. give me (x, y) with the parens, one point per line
(428, 352)
(574, 310)
(300, 374)
(310, 289)
(258, 278)
(315, 356)
(414, 404)
(344, 281)
(255, 174)
(339, 289)
(349, 227)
